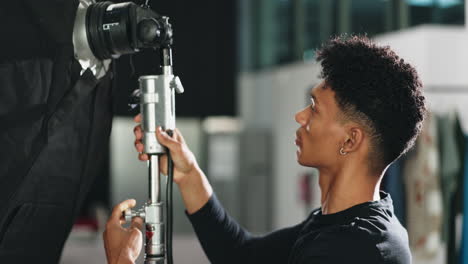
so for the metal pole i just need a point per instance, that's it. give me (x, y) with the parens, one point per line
(154, 246)
(154, 183)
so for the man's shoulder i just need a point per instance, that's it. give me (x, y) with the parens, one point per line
(345, 236)
(365, 239)
(340, 244)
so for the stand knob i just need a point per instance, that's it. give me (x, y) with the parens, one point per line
(177, 85)
(129, 215)
(134, 99)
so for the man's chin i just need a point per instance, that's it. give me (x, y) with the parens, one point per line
(300, 159)
(305, 164)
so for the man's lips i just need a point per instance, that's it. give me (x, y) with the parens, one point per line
(298, 140)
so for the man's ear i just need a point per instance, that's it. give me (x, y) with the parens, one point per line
(354, 139)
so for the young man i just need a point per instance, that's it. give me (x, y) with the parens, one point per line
(366, 113)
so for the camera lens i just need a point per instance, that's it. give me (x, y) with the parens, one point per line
(109, 29)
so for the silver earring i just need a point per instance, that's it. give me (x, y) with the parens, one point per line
(342, 151)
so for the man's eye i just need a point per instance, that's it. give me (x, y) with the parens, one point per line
(312, 103)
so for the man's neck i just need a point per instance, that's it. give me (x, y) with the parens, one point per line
(346, 188)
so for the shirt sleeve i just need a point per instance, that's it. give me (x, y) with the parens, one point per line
(225, 241)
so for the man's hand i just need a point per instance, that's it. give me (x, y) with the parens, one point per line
(192, 182)
(184, 160)
(123, 245)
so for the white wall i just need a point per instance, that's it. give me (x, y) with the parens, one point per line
(440, 55)
(270, 100)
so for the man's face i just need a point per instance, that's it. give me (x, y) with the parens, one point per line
(318, 138)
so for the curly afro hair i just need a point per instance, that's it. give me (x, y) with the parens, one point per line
(376, 88)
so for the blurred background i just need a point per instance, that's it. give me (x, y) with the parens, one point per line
(247, 66)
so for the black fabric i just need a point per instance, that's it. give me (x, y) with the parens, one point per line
(48, 162)
(365, 233)
(55, 127)
(32, 28)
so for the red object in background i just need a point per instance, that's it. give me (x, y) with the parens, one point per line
(305, 193)
(149, 235)
(86, 223)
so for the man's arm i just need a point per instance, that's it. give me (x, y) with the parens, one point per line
(222, 238)
(225, 241)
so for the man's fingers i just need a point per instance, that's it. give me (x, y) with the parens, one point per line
(173, 143)
(178, 136)
(137, 118)
(139, 146)
(163, 164)
(143, 156)
(138, 132)
(135, 242)
(120, 208)
(137, 222)
(166, 140)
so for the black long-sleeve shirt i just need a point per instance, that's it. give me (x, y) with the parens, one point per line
(365, 233)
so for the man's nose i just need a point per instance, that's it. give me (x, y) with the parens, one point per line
(301, 117)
